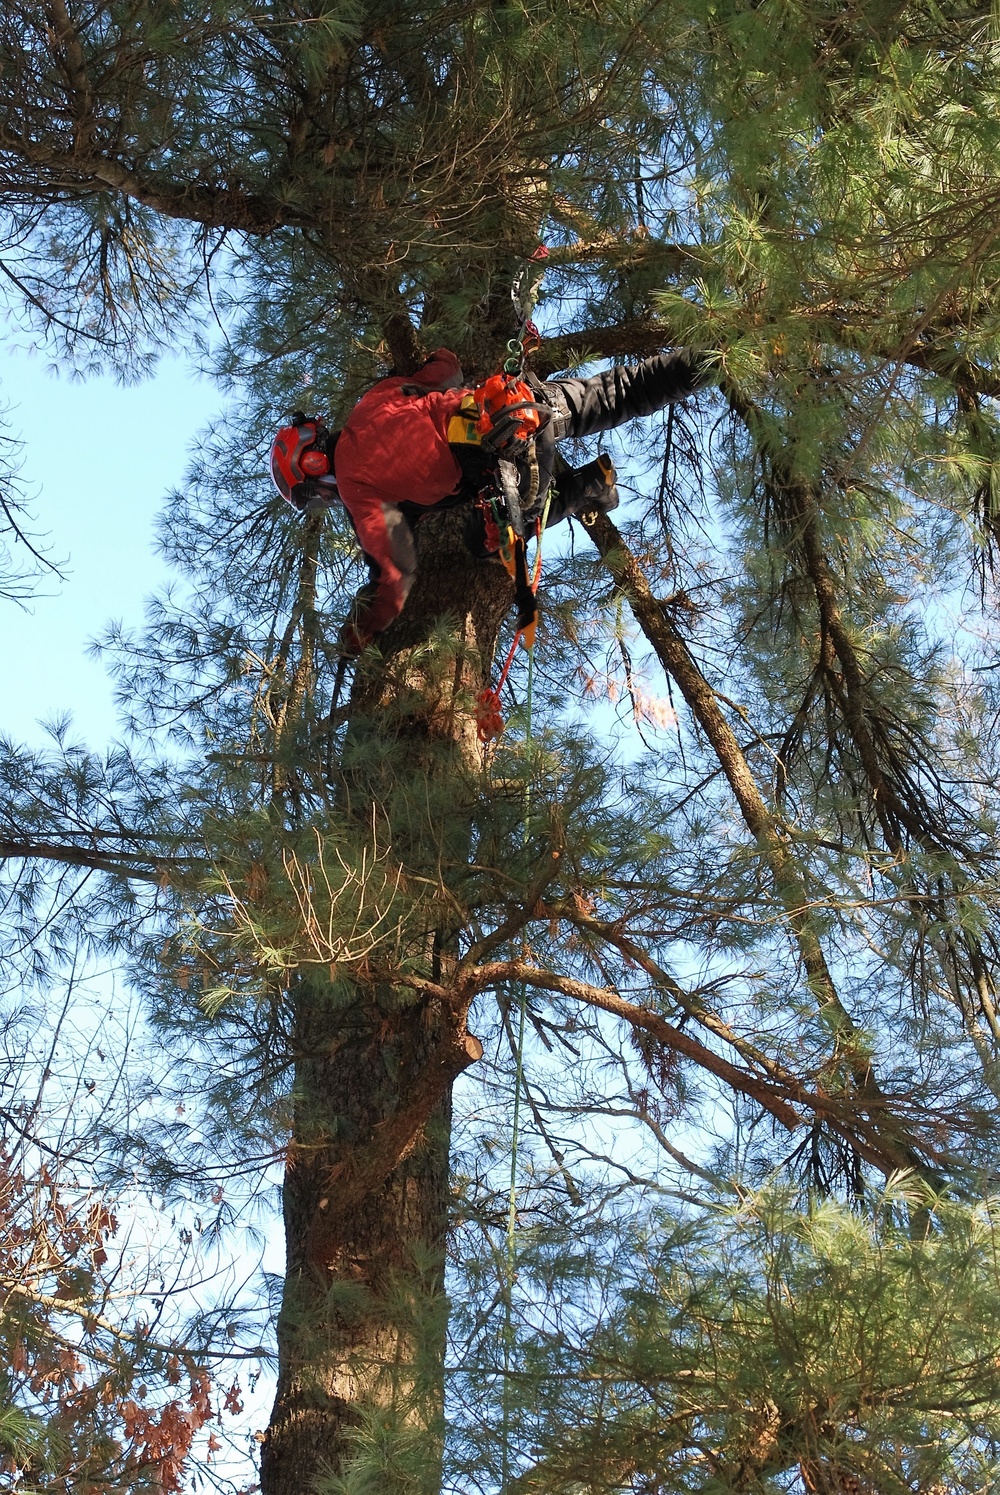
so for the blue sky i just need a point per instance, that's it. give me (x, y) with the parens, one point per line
(98, 459)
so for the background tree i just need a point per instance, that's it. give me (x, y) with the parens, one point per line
(766, 934)
(116, 1365)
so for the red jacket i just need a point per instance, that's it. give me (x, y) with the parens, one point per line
(392, 450)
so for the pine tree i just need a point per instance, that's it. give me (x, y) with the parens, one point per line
(773, 923)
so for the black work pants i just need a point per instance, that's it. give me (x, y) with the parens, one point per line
(584, 407)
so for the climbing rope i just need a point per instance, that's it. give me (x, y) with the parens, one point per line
(489, 724)
(522, 1012)
(524, 294)
(489, 711)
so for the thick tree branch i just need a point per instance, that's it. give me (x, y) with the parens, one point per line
(674, 655)
(149, 869)
(692, 1006)
(215, 207)
(74, 65)
(629, 252)
(492, 973)
(782, 1094)
(636, 338)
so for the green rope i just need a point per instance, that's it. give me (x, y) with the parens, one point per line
(522, 1009)
(508, 1328)
(518, 1078)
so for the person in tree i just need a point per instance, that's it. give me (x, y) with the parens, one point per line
(428, 440)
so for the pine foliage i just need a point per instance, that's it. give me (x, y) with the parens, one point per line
(738, 860)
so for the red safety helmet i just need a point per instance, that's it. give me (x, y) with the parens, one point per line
(300, 462)
(509, 414)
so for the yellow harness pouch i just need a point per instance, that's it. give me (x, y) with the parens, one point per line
(462, 425)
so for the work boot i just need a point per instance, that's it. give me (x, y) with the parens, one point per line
(589, 490)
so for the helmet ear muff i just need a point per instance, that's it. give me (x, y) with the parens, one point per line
(314, 463)
(300, 454)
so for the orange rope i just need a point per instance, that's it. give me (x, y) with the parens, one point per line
(489, 714)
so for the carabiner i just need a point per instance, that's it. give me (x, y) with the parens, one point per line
(514, 361)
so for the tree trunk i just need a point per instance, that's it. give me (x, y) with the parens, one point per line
(361, 1334)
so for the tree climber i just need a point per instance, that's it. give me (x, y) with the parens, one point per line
(428, 440)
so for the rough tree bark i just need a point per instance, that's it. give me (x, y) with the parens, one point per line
(366, 1191)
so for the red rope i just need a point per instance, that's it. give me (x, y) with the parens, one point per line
(489, 716)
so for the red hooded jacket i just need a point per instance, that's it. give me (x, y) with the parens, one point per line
(392, 450)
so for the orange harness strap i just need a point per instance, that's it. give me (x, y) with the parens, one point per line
(489, 715)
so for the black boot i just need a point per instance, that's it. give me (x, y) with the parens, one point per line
(583, 491)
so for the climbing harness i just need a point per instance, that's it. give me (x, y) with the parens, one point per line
(509, 420)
